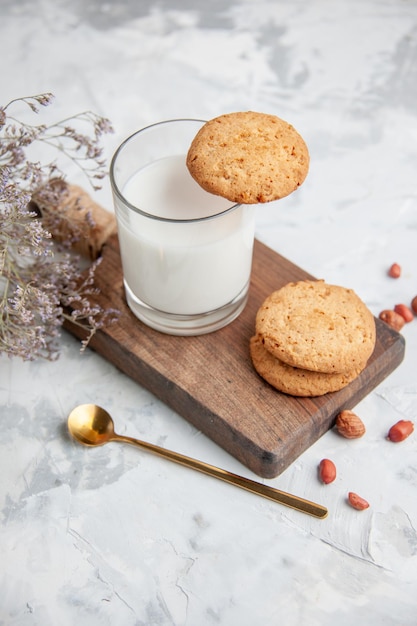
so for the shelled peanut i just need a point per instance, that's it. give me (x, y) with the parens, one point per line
(349, 425)
(392, 318)
(357, 502)
(327, 471)
(401, 313)
(395, 270)
(405, 312)
(400, 431)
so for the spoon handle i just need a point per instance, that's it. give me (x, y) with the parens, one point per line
(287, 499)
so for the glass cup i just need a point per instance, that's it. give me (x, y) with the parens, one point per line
(186, 253)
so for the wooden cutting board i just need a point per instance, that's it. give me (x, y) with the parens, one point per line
(210, 381)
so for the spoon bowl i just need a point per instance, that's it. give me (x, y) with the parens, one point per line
(91, 425)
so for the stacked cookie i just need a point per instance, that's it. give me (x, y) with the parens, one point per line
(312, 338)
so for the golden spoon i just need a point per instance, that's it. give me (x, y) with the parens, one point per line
(93, 426)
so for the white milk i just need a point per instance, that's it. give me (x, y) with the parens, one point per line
(183, 267)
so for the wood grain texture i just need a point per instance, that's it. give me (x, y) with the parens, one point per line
(210, 380)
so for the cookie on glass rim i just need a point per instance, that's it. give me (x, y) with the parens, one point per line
(248, 157)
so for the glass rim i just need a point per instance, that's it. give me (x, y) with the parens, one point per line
(136, 209)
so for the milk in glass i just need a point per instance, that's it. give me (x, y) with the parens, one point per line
(192, 252)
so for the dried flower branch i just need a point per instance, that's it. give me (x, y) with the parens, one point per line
(38, 283)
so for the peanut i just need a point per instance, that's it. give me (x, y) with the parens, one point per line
(393, 319)
(400, 431)
(414, 305)
(394, 271)
(405, 312)
(349, 425)
(357, 502)
(327, 471)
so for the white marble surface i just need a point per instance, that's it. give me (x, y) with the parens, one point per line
(112, 536)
